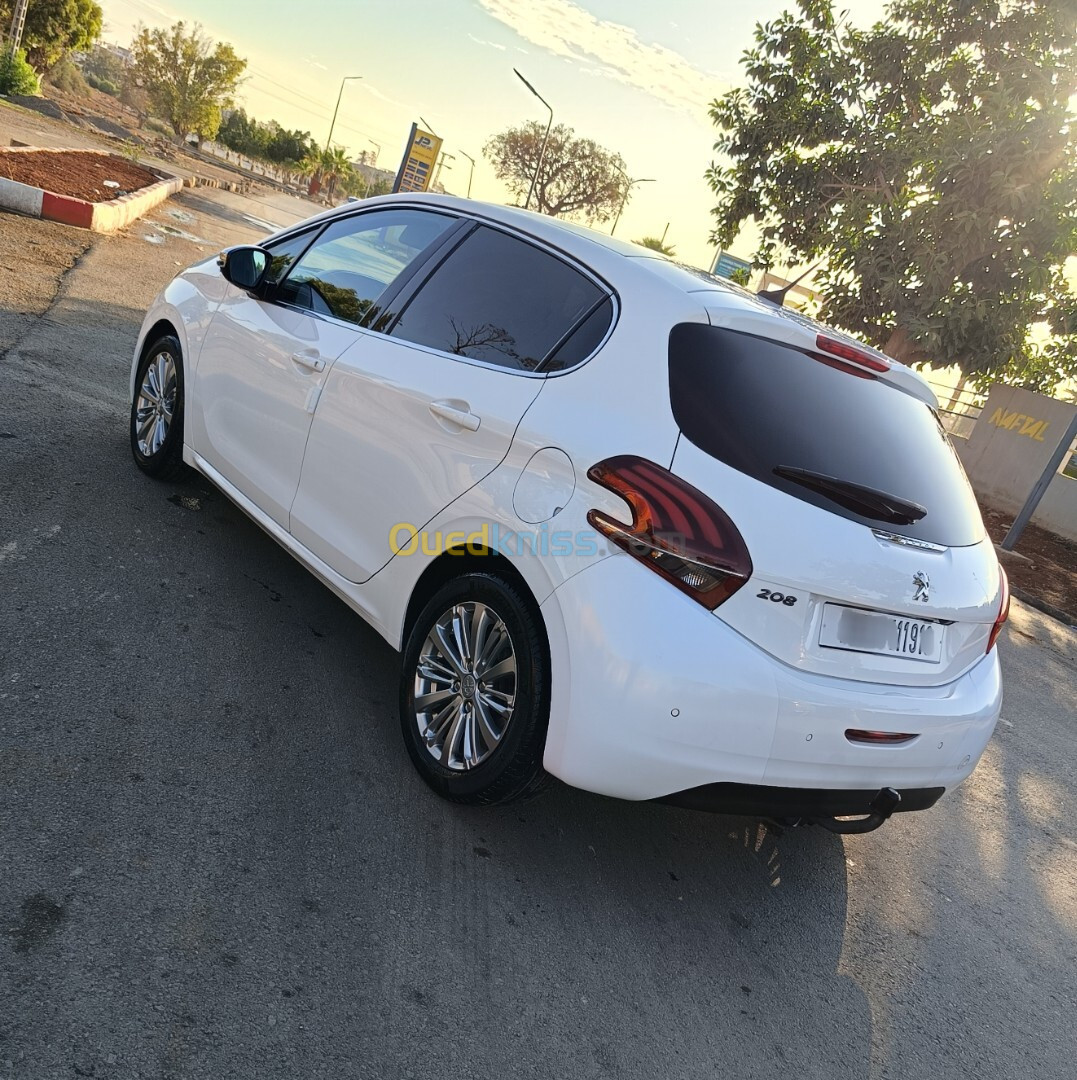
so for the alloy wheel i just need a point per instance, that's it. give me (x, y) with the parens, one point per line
(465, 685)
(155, 403)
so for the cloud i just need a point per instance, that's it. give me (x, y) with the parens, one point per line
(567, 30)
(488, 44)
(382, 96)
(315, 63)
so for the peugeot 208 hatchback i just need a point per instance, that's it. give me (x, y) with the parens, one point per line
(628, 524)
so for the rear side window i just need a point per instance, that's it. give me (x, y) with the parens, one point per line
(584, 339)
(499, 300)
(822, 432)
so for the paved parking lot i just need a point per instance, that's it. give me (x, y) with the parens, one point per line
(216, 861)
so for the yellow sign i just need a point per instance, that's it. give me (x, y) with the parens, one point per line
(417, 166)
(1020, 424)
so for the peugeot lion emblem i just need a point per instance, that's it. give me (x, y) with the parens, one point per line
(922, 584)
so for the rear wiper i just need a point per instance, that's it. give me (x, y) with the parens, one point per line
(878, 505)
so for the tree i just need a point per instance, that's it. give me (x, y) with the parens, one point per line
(188, 79)
(243, 134)
(655, 243)
(335, 166)
(577, 177)
(16, 75)
(55, 28)
(286, 148)
(926, 162)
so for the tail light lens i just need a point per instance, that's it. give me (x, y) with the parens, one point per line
(1003, 610)
(675, 530)
(851, 353)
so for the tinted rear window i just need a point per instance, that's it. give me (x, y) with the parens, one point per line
(758, 406)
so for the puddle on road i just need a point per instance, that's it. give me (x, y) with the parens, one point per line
(182, 216)
(150, 239)
(171, 230)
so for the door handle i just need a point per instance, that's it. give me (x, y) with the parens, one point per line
(311, 363)
(462, 416)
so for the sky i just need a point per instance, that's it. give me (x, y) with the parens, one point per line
(634, 75)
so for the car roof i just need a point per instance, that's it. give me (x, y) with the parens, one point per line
(725, 301)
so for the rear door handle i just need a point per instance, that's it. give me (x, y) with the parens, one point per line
(309, 361)
(455, 415)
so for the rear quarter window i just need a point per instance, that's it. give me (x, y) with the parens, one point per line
(758, 405)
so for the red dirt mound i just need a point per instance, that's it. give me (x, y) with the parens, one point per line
(75, 173)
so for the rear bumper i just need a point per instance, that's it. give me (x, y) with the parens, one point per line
(757, 800)
(654, 696)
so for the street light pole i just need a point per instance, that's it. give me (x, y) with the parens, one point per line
(624, 199)
(471, 174)
(333, 124)
(545, 140)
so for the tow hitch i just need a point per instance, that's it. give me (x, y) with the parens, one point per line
(882, 806)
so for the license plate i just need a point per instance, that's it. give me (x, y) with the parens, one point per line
(880, 634)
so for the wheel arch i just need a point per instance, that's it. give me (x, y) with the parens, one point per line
(454, 562)
(164, 325)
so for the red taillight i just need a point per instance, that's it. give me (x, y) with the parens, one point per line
(1003, 610)
(851, 353)
(675, 530)
(878, 738)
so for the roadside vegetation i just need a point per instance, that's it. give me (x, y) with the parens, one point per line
(927, 166)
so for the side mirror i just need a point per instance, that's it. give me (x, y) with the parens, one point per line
(245, 267)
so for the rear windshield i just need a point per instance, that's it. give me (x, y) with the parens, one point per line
(760, 406)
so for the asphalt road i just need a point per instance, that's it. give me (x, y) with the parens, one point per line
(217, 862)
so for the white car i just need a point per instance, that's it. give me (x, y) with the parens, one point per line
(630, 525)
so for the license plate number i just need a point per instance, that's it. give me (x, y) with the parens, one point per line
(880, 634)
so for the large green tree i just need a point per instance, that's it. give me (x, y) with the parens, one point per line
(187, 78)
(928, 162)
(54, 28)
(576, 177)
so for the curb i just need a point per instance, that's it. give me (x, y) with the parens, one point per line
(1045, 607)
(102, 217)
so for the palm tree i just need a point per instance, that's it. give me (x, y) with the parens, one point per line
(335, 166)
(655, 244)
(310, 168)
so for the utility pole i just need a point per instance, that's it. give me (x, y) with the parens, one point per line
(18, 22)
(441, 162)
(470, 175)
(333, 123)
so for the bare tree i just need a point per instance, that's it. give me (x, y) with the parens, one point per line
(577, 176)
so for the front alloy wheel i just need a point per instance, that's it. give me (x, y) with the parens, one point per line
(157, 410)
(155, 404)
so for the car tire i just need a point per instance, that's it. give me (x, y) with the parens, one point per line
(481, 737)
(157, 410)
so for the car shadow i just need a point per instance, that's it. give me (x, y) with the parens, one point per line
(643, 930)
